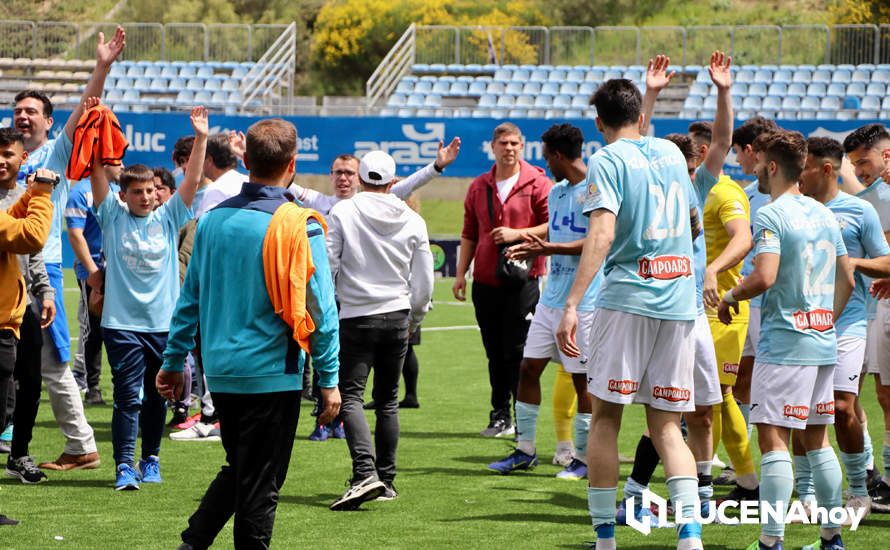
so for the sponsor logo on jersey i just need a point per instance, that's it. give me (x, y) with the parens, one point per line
(624, 387)
(670, 393)
(665, 267)
(730, 368)
(819, 320)
(800, 412)
(825, 408)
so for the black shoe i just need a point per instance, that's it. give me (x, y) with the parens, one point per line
(389, 491)
(185, 546)
(880, 498)
(94, 397)
(359, 491)
(740, 494)
(370, 405)
(24, 469)
(180, 413)
(307, 394)
(873, 478)
(8, 521)
(409, 403)
(209, 419)
(498, 426)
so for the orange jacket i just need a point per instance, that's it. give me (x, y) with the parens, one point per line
(287, 265)
(98, 127)
(23, 230)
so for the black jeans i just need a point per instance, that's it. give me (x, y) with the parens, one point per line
(28, 381)
(8, 343)
(257, 433)
(92, 346)
(376, 342)
(504, 315)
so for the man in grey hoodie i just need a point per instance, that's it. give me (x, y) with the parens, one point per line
(383, 272)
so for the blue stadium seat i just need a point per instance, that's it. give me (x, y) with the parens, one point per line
(539, 75)
(513, 87)
(416, 100)
(868, 115)
(516, 113)
(708, 114)
(851, 103)
(612, 74)
(405, 86)
(551, 88)
(692, 103)
(587, 88)
(758, 89)
(498, 114)
(423, 87)
(525, 100)
(503, 75)
(842, 76)
(488, 100)
(554, 113)
(458, 89)
(700, 89)
(767, 114)
(237, 72)
(110, 82)
(521, 74)
(777, 88)
(152, 72)
(830, 114)
(131, 96)
(457, 68)
(213, 84)
(877, 76)
(821, 75)
(860, 75)
(710, 103)
(506, 101)
(575, 75)
(397, 100)
(557, 75)
(406, 112)
(830, 103)
(176, 83)
(531, 88)
(594, 75)
(535, 113)
(772, 103)
(797, 89)
(388, 111)
(573, 113)
(477, 88)
(190, 72)
(118, 69)
(783, 76)
(689, 114)
(806, 115)
(876, 89)
(543, 100)
(810, 103)
(112, 96)
(752, 103)
(124, 83)
(764, 76)
(135, 71)
(791, 103)
(219, 98)
(804, 76)
(432, 100)
(633, 75)
(744, 115)
(568, 88)
(871, 103)
(441, 87)
(195, 84)
(562, 100)
(826, 67)
(465, 78)
(495, 88)
(158, 85)
(787, 115)
(481, 113)
(816, 89)
(744, 76)
(836, 89)
(691, 69)
(463, 112)
(580, 102)
(856, 88)
(477, 68)
(437, 68)
(736, 89)
(846, 67)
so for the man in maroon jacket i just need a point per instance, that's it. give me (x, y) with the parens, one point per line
(517, 193)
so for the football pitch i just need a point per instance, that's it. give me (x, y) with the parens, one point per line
(447, 497)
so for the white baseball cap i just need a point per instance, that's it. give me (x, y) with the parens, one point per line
(377, 168)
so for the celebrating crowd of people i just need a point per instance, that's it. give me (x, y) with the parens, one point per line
(714, 305)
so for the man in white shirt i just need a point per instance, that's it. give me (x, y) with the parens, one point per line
(220, 168)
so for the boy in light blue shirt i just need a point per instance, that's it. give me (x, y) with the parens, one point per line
(141, 289)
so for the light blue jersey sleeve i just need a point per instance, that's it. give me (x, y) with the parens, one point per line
(175, 213)
(603, 186)
(703, 180)
(873, 241)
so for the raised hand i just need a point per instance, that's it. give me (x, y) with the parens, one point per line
(238, 143)
(107, 52)
(200, 123)
(91, 102)
(657, 77)
(446, 155)
(719, 70)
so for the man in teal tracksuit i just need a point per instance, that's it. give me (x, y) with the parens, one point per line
(252, 361)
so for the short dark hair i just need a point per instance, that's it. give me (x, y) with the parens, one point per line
(701, 131)
(182, 149)
(866, 136)
(826, 148)
(271, 146)
(684, 143)
(220, 152)
(565, 139)
(135, 174)
(786, 148)
(37, 94)
(618, 103)
(8, 136)
(346, 156)
(165, 176)
(751, 128)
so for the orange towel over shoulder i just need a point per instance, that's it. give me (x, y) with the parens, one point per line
(287, 265)
(98, 127)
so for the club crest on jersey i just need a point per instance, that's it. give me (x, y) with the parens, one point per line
(800, 412)
(664, 267)
(819, 320)
(624, 387)
(730, 368)
(826, 408)
(670, 393)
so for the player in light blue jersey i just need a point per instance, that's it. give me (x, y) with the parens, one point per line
(801, 269)
(32, 116)
(642, 341)
(868, 149)
(863, 238)
(565, 236)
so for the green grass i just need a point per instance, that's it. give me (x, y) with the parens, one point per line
(443, 216)
(447, 498)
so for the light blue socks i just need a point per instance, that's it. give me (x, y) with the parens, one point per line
(828, 480)
(776, 484)
(582, 429)
(526, 426)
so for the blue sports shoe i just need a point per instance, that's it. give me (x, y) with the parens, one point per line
(321, 433)
(6, 436)
(150, 470)
(127, 479)
(834, 544)
(574, 471)
(339, 431)
(516, 461)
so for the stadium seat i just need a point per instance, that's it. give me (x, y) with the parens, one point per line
(845, 67)
(158, 85)
(554, 113)
(437, 68)
(191, 72)
(458, 89)
(456, 68)
(219, 98)
(397, 100)
(851, 103)
(836, 89)
(498, 114)
(202, 97)
(736, 89)
(568, 88)
(112, 96)
(744, 76)
(124, 83)
(135, 71)
(856, 88)
(777, 89)
(787, 115)
(195, 84)
(405, 86)
(434, 100)
(557, 75)
(880, 76)
(804, 76)
(826, 67)
(772, 103)
(516, 113)
(535, 113)
(710, 103)
(185, 96)
(176, 83)
(806, 115)
(521, 74)
(783, 76)
(169, 71)
(575, 76)
(752, 103)
(841, 76)
(797, 89)
(860, 75)
(388, 111)
(791, 103)
(538, 75)
(513, 88)
(573, 113)
(131, 96)
(758, 89)
(441, 87)
(763, 76)
(885, 104)
(543, 100)
(767, 114)
(480, 113)
(525, 100)
(477, 88)
(868, 115)
(870, 103)
(117, 70)
(406, 112)
(531, 88)
(580, 102)
(152, 72)
(414, 100)
(822, 75)
(587, 88)
(562, 100)
(700, 89)
(830, 103)
(594, 75)
(876, 89)
(237, 72)
(816, 89)
(503, 75)
(463, 112)
(142, 84)
(495, 88)
(551, 88)
(692, 103)
(810, 103)
(488, 100)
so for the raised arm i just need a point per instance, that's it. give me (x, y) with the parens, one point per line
(657, 78)
(195, 168)
(721, 134)
(444, 157)
(106, 53)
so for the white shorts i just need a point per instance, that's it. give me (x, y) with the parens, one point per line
(637, 359)
(541, 340)
(850, 354)
(878, 343)
(750, 349)
(792, 396)
(705, 377)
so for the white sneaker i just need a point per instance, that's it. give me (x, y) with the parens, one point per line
(857, 503)
(717, 463)
(359, 492)
(198, 432)
(564, 455)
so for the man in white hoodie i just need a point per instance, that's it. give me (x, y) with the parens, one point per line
(380, 259)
